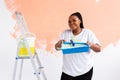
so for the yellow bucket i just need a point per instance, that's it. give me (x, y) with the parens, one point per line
(23, 50)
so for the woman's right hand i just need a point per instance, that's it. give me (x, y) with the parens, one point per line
(59, 44)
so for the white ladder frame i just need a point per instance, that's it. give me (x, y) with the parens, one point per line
(23, 29)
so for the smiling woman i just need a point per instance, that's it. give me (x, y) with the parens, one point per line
(78, 66)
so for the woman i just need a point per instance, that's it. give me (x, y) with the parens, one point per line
(78, 66)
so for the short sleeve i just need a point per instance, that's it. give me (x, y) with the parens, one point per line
(92, 38)
(65, 35)
(62, 36)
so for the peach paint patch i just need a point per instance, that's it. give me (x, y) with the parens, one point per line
(47, 19)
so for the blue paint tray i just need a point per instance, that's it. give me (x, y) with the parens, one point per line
(70, 48)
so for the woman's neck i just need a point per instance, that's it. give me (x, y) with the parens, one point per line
(77, 31)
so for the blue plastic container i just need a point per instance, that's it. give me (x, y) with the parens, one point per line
(68, 48)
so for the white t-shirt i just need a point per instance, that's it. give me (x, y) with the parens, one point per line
(79, 63)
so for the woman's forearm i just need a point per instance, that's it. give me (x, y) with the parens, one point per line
(95, 47)
(59, 44)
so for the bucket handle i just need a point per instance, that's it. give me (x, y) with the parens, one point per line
(25, 34)
(30, 34)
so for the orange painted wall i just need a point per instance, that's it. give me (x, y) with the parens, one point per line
(48, 18)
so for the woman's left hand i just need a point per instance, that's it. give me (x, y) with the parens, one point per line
(94, 47)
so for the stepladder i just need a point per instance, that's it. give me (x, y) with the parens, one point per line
(26, 50)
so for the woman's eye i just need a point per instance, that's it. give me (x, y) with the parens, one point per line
(72, 21)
